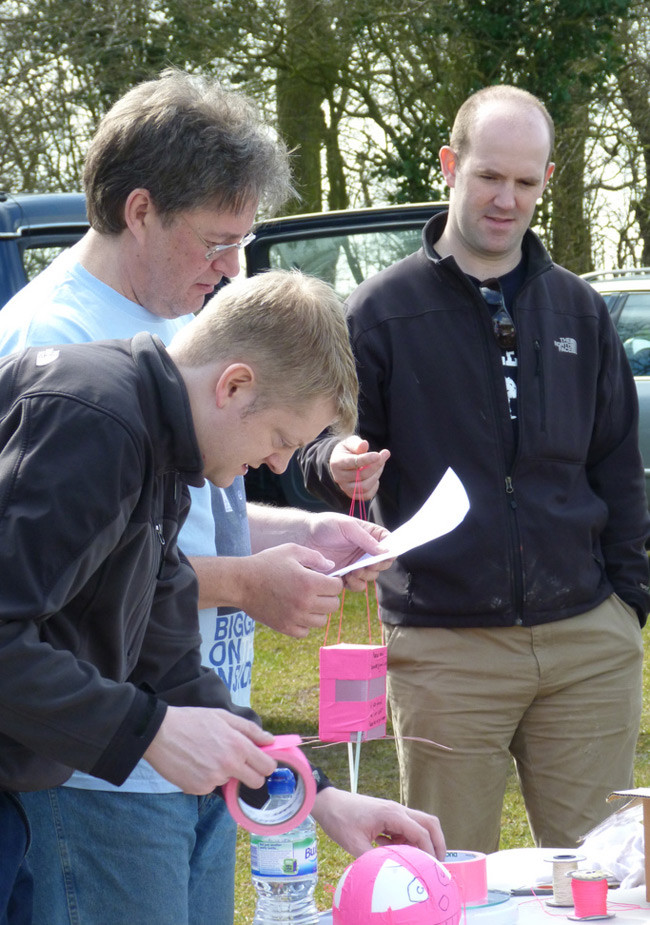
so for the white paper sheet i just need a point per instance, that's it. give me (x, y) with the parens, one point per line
(441, 513)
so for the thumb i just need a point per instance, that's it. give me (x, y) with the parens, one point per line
(356, 445)
(314, 560)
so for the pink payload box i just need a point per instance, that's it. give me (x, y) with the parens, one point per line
(352, 692)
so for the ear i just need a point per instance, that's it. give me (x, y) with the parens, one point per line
(137, 209)
(236, 383)
(448, 164)
(548, 174)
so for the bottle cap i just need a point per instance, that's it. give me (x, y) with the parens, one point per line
(281, 781)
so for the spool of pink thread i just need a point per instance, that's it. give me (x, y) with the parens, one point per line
(589, 891)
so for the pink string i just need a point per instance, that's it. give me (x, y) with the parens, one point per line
(539, 900)
(356, 499)
(315, 742)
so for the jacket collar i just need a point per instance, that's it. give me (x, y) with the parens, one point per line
(166, 404)
(537, 257)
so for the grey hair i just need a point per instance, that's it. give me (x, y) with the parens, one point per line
(190, 143)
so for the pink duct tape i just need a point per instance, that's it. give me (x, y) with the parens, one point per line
(286, 751)
(339, 722)
(353, 662)
(469, 870)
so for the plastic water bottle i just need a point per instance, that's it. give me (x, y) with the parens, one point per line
(284, 867)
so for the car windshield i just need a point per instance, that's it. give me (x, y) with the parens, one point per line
(345, 260)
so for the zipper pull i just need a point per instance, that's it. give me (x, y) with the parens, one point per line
(510, 490)
(161, 539)
(159, 533)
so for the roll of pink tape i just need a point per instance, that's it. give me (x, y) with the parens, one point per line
(285, 749)
(469, 870)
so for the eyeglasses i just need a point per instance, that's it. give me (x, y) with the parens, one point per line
(502, 324)
(213, 250)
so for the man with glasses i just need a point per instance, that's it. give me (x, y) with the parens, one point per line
(213, 251)
(518, 634)
(174, 176)
(99, 633)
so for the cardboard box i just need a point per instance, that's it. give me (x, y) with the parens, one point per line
(636, 796)
(352, 692)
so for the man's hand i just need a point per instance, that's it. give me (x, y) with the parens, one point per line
(344, 540)
(350, 460)
(199, 749)
(285, 583)
(285, 588)
(358, 823)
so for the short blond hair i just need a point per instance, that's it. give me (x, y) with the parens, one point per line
(290, 328)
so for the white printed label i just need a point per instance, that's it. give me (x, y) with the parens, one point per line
(281, 858)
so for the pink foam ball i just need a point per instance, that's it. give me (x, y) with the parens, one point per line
(396, 885)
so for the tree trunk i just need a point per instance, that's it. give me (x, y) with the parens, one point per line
(570, 232)
(300, 122)
(299, 100)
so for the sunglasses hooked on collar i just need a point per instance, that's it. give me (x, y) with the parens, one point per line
(502, 324)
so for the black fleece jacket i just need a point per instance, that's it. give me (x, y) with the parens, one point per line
(558, 516)
(98, 608)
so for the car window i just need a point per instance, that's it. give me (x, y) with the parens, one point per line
(633, 326)
(345, 260)
(610, 298)
(634, 319)
(37, 258)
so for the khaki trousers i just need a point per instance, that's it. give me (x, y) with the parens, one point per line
(563, 700)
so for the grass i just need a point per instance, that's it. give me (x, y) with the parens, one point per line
(285, 694)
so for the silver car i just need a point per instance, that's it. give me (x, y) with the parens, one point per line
(627, 294)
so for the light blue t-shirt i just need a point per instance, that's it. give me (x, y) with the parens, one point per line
(67, 304)
(228, 634)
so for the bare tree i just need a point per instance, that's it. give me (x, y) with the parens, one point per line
(633, 81)
(364, 91)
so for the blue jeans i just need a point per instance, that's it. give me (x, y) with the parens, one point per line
(15, 876)
(106, 858)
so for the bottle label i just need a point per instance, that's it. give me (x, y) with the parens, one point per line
(282, 857)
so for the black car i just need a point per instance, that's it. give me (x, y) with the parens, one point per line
(343, 248)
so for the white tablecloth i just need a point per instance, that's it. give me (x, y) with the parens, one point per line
(521, 867)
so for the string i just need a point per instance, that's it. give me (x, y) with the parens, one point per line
(589, 890)
(356, 499)
(354, 750)
(315, 742)
(536, 900)
(368, 615)
(562, 865)
(327, 628)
